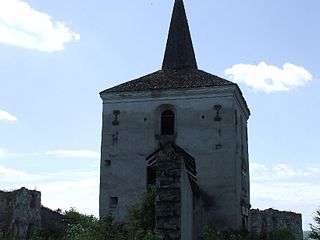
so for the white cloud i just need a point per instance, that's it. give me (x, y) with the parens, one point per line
(7, 173)
(4, 154)
(15, 176)
(294, 192)
(71, 184)
(284, 171)
(80, 181)
(81, 194)
(302, 197)
(74, 153)
(23, 26)
(268, 78)
(314, 170)
(281, 171)
(287, 188)
(4, 115)
(257, 167)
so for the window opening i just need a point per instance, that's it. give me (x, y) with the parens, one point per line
(151, 176)
(167, 123)
(113, 202)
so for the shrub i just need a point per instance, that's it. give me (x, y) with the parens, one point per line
(140, 224)
(210, 234)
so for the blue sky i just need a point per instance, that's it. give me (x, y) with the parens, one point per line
(56, 56)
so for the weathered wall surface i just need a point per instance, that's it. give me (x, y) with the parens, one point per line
(174, 197)
(20, 213)
(217, 141)
(186, 206)
(265, 221)
(168, 196)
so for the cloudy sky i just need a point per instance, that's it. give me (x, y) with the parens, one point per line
(56, 56)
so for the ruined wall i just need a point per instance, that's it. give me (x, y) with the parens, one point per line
(20, 213)
(2, 210)
(265, 221)
(168, 197)
(174, 197)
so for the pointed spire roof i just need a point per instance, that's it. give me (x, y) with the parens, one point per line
(179, 52)
(179, 67)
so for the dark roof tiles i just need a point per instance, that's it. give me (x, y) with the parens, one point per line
(179, 68)
(171, 79)
(179, 52)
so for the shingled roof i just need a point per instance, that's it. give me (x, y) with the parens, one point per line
(179, 67)
(179, 52)
(171, 79)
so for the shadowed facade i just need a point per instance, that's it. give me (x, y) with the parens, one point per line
(202, 114)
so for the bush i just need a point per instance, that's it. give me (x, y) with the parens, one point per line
(140, 224)
(141, 217)
(210, 234)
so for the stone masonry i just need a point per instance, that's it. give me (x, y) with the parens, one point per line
(174, 197)
(269, 220)
(168, 198)
(20, 213)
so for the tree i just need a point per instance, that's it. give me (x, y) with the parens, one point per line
(315, 228)
(141, 217)
(210, 234)
(140, 224)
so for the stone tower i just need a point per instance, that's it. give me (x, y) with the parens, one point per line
(203, 114)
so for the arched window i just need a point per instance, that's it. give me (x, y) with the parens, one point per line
(167, 122)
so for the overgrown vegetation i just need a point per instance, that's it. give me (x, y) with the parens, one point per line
(315, 228)
(210, 234)
(140, 225)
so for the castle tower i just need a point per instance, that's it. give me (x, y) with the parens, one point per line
(203, 114)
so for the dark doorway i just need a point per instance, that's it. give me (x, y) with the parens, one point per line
(167, 123)
(151, 176)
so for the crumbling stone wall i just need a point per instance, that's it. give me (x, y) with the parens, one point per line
(265, 221)
(174, 197)
(20, 214)
(168, 197)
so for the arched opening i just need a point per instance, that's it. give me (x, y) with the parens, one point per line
(167, 122)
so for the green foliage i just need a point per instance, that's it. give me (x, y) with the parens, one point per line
(141, 217)
(210, 234)
(81, 226)
(315, 228)
(140, 224)
(54, 231)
